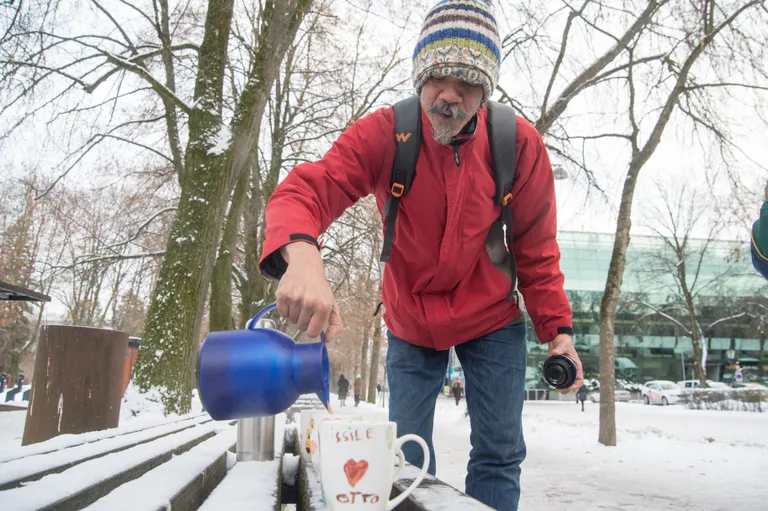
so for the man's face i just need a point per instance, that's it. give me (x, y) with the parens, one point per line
(449, 103)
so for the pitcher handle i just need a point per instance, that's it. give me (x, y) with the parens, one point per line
(263, 312)
(266, 310)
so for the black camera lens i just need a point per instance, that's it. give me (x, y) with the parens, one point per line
(559, 371)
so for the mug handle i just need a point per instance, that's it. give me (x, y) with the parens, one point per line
(398, 444)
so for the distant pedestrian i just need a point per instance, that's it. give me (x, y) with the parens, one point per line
(378, 388)
(581, 395)
(358, 389)
(343, 385)
(457, 390)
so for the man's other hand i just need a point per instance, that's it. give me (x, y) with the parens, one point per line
(563, 345)
(304, 295)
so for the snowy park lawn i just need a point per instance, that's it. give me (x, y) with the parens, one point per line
(666, 458)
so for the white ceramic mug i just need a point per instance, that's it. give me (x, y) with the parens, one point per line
(304, 417)
(311, 444)
(358, 464)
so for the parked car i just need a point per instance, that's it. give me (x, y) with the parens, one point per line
(662, 392)
(618, 395)
(695, 384)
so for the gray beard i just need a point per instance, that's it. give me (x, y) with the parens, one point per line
(443, 134)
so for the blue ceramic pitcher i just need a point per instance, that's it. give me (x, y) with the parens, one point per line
(258, 371)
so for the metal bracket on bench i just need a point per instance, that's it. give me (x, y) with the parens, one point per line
(256, 439)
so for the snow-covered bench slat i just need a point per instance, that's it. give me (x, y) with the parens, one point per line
(252, 485)
(433, 494)
(64, 441)
(13, 473)
(87, 482)
(181, 483)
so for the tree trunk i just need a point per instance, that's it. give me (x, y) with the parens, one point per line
(609, 304)
(364, 359)
(696, 335)
(171, 119)
(256, 291)
(221, 280)
(607, 434)
(373, 380)
(176, 309)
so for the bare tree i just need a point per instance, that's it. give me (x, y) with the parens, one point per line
(682, 269)
(16, 266)
(708, 31)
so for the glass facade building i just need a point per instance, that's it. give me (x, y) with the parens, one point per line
(652, 330)
(652, 339)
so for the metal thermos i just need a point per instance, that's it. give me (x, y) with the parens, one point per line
(256, 439)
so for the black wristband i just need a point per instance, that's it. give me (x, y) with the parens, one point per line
(274, 265)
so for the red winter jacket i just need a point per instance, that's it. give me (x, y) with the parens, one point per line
(444, 283)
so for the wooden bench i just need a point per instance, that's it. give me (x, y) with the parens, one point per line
(180, 464)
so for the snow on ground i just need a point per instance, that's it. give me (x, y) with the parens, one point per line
(666, 457)
(12, 428)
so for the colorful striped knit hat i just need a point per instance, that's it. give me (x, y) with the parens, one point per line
(459, 38)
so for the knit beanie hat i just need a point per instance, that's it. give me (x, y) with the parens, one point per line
(459, 38)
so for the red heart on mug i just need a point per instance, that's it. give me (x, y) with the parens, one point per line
(355, 470)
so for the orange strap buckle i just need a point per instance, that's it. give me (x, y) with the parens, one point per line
(397, 189)
(507, 198)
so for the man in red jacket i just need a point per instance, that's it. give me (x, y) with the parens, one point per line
(448, 276)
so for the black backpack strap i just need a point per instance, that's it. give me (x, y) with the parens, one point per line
(502, 133)
(407, 140)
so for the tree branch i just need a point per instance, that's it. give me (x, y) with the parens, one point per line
(161, 89)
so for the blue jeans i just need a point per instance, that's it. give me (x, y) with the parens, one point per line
(494, 373)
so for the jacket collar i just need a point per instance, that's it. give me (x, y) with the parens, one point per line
(467, 132)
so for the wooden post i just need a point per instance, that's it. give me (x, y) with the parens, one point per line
(78, 382)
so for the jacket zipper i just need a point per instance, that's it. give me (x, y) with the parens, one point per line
(456, 158)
